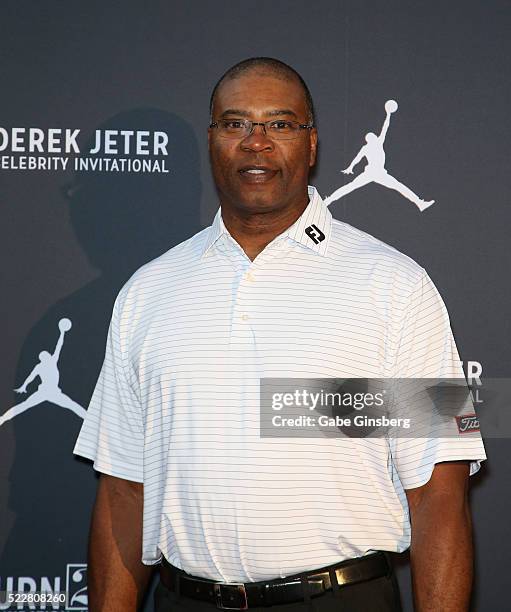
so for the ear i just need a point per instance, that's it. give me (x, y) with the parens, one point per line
(313, 146)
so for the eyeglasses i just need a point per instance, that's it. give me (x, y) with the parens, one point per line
(276, 129)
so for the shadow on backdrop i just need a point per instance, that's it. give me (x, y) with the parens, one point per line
(121, 220)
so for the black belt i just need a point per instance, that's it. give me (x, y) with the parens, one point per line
(239, 596)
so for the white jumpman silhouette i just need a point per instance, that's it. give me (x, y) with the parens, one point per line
(375, 169)
(48, 390)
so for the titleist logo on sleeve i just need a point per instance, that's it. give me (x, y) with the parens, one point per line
(467, 423)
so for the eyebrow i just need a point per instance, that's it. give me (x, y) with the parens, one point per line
(272, 113)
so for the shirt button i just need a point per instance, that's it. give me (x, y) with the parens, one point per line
(244, 317)
(249, 276)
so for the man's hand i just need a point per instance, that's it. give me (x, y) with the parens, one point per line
(441, 550)
(117, 579)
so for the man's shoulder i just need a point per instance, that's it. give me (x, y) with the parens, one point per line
(366, 250)
(177, 261)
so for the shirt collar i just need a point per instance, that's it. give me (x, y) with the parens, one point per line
(312, 229)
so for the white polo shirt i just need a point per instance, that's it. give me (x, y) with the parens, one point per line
(176, 405)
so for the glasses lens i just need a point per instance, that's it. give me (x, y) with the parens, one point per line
(233, 128)
(282, 130)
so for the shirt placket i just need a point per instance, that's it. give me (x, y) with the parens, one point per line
(243, 310)
(242, 336)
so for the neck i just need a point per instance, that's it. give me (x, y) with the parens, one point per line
(254, 231)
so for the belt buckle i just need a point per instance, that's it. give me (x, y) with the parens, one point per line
(240, 591)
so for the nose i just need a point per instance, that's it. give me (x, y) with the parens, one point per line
(257, 140)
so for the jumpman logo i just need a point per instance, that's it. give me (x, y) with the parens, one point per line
(48, 390)
(375, 171)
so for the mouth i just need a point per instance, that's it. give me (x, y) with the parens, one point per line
(257, 174)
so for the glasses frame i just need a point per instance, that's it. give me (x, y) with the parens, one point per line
(301, 126)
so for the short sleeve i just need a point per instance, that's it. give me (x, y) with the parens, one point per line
(426, 349)
(112, 434)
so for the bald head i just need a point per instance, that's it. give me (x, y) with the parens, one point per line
(265, 66)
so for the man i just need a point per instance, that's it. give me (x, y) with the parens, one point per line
(375, 169)
(48, 390)
(274, 288)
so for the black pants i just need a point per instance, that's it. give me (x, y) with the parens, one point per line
(377, 595)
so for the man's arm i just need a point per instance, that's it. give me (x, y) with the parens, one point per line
(359, 156)
(58, 346)
(441, 549)
(28, 380)
(385, 128)
(117, 579)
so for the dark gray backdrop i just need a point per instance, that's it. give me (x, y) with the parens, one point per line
(115, 65)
